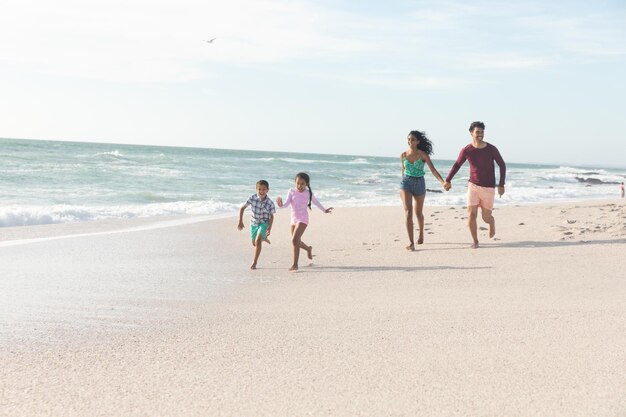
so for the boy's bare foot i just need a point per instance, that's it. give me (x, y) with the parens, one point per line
(267, 241)
(309, 253)
(293, 268)
(474, 245)
(410, 247)
(253, 266)
(492, 228)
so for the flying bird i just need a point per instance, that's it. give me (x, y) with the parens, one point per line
(211, 40)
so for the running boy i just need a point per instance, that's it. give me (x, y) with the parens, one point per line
(263, 210)
(482, 180)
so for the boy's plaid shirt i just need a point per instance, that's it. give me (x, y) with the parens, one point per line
(261, 209)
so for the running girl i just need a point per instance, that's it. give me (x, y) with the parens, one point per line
(300, 199)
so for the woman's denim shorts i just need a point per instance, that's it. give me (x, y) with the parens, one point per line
(414, 185)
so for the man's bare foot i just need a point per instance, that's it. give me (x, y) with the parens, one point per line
(410, 247)
(253, 266)
(309, 252)
(492, 228)
(420, 240)
(293, 268)
(474, 245)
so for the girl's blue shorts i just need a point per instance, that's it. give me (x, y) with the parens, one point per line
(414, 185)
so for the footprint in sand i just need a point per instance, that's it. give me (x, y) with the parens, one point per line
(522, 224)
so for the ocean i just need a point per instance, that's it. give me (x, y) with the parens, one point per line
(43, 182)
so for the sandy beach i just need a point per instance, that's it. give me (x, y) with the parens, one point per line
(162, 317)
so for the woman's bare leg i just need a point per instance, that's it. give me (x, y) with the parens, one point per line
(419, 213)
(407, 204)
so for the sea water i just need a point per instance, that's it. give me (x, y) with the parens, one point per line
(55, 182)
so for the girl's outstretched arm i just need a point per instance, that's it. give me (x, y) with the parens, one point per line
(319, 205)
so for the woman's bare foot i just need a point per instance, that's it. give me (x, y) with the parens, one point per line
(474, 245)
(309, 253)
(492, 228)
(420, 240)
(293, 268)
(411, 247)
(253, 266)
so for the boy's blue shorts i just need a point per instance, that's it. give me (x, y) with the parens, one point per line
(261, 228)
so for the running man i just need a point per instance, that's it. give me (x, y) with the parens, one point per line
(482, 180)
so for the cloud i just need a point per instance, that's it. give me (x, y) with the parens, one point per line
(590, 33)
(505, 61)
(163, 41)
(142, 40)
(400, 80)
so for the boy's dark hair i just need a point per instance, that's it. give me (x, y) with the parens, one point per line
(425, 144)
(263, 182)
(474, 125)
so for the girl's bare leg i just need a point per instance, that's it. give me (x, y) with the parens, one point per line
(407, 203)
(296, 239)
(308, 249)
(419, 213)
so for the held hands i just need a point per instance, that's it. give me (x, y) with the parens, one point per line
(447, 185)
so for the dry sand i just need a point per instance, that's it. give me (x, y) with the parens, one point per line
(167, 321)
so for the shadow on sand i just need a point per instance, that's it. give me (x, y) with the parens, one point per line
(349, 268)
(522, 244)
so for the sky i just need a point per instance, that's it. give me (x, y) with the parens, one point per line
(346, 76)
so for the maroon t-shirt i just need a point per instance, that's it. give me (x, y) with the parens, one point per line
(482, 169)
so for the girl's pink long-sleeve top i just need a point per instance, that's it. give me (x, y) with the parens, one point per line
(299, 205)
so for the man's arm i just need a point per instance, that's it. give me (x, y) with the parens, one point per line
(455, 168)
(498, 158)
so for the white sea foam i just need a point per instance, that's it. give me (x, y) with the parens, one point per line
(34, 215)
(114, 153)
(59, 182)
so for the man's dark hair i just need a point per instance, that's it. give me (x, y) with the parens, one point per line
(263, 182)
(474, 125)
